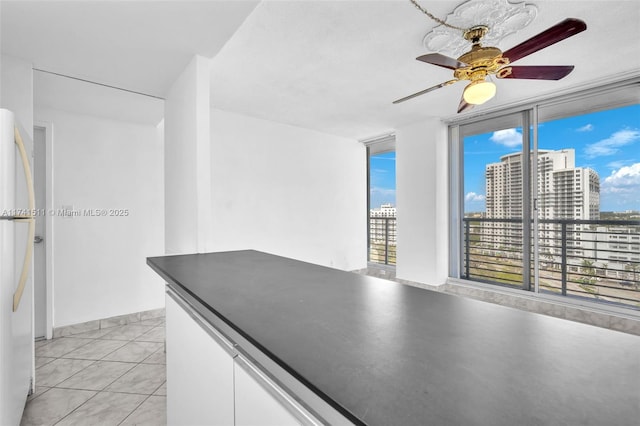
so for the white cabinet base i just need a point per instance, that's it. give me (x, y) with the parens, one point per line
(199, 372)
(259, 401)
(210, 383)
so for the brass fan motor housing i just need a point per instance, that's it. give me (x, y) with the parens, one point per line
(479, 55)
(482, 62)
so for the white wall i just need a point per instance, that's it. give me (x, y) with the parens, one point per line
(187, 168)
(422, 198)
(100, 262)
(288, 191)
(16, 90)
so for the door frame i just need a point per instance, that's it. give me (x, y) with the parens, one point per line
(50, 213)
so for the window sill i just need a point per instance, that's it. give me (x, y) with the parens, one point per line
(610, 317)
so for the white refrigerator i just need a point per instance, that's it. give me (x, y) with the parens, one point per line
(16, 287)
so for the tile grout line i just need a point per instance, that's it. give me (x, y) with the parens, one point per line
(106, 386)
(148, 396)
(52, 340)
(103, 390)
(134, 410)
(56, 385)
(74, 410)
(95, 361)
(84, 368)
(102, 359)
(39, 395)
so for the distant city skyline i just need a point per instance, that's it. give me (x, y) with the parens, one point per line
(606, 141)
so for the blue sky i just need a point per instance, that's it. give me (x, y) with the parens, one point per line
(606, 141)
(382, 170)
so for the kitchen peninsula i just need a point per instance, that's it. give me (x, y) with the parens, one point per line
(254, 338)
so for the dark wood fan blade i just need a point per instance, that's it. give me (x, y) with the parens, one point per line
(464, 106)
(422, 92)
(441, 61)
(565, 29)
(539, 72)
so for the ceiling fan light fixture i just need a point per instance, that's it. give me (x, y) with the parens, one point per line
(479, 92)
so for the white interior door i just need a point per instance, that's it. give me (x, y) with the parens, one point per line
(39, 252)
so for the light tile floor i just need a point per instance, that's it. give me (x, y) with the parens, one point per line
(111, 376)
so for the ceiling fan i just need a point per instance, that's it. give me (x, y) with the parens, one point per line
(480, 62)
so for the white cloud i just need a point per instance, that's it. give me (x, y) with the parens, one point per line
(612, 144)
(623, 186)
(625, 176)
(585, 128)
(472, 196)
(510, 138)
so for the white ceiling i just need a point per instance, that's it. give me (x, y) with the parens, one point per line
(137, 45)
(333, 66)
(337, 66)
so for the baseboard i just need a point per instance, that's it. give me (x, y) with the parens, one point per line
(387, 272)
(69, 330)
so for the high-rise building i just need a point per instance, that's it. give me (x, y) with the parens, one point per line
(382, 224)
(504, 187)
(564, 192)
(382, 234)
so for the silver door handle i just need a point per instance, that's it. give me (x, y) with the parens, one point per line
(38, 239)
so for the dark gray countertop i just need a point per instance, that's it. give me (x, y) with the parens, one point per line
(383, 353)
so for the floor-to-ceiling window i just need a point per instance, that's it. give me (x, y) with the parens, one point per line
(381, 209)
(589, 202)
(549, 197)
(495, 168)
